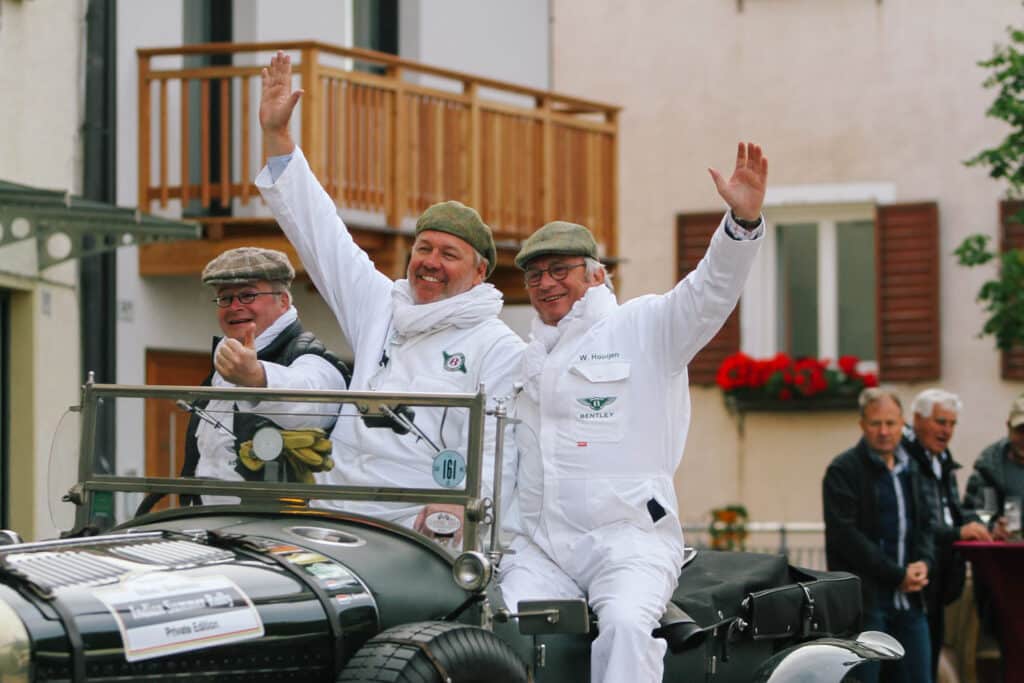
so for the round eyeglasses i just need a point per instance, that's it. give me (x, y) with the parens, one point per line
(559, 271)
(243, 298)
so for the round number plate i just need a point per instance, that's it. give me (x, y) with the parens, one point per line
(267, 443)
(449, 469)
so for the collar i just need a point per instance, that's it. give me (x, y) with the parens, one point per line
(467, 309)
(596, 304)
(901, 462)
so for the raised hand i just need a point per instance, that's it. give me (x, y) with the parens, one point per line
(744, 191)
(237, 363)
(277, 102)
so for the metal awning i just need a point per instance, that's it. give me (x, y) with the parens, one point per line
(67, 227)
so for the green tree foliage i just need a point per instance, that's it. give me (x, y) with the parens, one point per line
(1003, 297)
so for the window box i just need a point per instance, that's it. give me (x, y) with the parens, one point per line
(739, 404)
(784, 384)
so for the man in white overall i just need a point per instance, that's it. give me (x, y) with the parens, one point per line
(435, 331)
(606, 409)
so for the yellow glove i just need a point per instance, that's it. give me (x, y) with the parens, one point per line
(250, 461)
(307, 451)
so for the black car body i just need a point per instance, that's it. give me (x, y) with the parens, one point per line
(272, 589)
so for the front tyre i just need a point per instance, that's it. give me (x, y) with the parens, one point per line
(427, 651)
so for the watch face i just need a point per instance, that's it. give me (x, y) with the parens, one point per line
(267, 443)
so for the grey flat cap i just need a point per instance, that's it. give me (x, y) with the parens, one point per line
(557, 237)
(248, 264)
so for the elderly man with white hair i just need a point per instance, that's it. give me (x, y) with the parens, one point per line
(935, 416)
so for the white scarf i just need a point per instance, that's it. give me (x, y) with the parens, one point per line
(262, 340)
(470, 308)
(596, 304)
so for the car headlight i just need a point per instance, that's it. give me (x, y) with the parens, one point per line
(472, 571)
(15, 646)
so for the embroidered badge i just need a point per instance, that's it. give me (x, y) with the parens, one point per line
(454, 362)
(595, 403)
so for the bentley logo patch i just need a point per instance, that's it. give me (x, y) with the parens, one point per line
(595, 403)
(454, 362)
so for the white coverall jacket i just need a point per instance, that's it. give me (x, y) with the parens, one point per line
(364, 301)
(217, 455)
(606, 411)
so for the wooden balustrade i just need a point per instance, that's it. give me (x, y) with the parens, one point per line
(391, 143)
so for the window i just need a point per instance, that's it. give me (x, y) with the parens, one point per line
(1012, 238)
(850, 277)
(824, 284)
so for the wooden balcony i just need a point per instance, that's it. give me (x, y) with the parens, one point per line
(387, 137)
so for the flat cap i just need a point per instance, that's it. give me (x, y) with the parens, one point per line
(1017, 412)
(455, 218)
(557, 237)
(248, 264)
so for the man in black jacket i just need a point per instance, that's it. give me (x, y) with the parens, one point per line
(935, 413)
(878, 526)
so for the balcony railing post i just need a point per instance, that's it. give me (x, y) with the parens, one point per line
(476, 192)
(312, 105)
(145, 118)
(611, 243)
(547, 188)
(398, 191)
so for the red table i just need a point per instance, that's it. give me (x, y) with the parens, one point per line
(1001, 566)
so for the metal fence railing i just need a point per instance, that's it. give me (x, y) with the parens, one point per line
(803, 543)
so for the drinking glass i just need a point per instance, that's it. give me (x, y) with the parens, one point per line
(1011, 511)
(989, 505)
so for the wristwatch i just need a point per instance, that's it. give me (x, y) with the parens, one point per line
(745, 224)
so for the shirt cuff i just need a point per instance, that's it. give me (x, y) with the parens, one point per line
(738, 232)
(277, 165)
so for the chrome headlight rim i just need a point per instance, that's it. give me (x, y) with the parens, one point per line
(472, 571)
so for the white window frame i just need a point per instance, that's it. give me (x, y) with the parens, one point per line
(826, 206)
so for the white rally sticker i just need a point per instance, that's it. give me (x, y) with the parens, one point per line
(443, 523)
(161, 613)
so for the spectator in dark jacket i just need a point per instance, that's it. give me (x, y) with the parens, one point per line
(935, 414)
(878, 526)
(1001, 467)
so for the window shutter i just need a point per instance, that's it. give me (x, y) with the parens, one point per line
(1012, 238)
(693, 235)
(907, 258)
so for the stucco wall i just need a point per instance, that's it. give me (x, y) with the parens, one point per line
(844, 91)
(40, 142)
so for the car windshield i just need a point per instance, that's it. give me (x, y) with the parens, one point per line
(278, 452)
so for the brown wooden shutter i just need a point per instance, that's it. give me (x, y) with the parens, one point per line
(1012, 238)
(907, 258)
(693, 235)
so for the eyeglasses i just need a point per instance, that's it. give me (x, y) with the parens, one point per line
(243, 298)
(559, 272)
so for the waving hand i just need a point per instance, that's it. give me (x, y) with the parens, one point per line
(744, 191)
(277, 102)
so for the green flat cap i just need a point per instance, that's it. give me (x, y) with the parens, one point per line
(557, 237)
(248, 264)
(455, 218)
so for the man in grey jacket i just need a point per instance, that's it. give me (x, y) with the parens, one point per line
(1001, 467)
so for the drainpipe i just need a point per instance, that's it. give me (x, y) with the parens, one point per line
(98, 273)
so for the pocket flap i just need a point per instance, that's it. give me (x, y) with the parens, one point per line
(613, 371)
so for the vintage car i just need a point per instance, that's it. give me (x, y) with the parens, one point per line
(274, 589)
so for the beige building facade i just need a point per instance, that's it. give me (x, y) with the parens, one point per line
(40, 145)
(860, 104)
